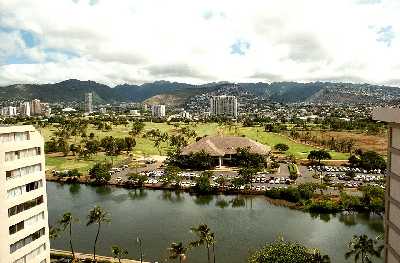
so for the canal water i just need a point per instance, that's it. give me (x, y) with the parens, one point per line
(241, 223)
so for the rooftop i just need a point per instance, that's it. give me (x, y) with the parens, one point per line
(221, 145)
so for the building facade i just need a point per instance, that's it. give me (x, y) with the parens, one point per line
(9, 111)
(36, 108)
(224, 106)
(25, 109)
(24, 231)
(392, 206)
(158, 111)
(88, 102)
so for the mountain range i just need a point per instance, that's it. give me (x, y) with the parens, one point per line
(175, 93)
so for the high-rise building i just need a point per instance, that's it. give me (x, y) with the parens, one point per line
(9, 111)
(36, 108)
(24, 231)
(392, 205)
(158, 111)
(45, 109)
(89, 102)
(224, 106)
(25, 109)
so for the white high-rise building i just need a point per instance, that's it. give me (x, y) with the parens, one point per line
(24, 231)
(9, 111)
(88, 102)
(158, 111)
(224, 106)
(25, 109)
(392, 198)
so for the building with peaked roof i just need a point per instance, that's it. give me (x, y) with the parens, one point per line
(224, 147)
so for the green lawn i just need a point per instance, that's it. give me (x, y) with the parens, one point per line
(145, 146)
(70, 162)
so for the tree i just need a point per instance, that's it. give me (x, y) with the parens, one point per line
(172, 173)
(137, 128)
(247, 174)
(205, 238)
(203, 185)
(65, 222)
(118, 252)
(281, 251)
(177, 250)
(281, 147)
(97, 216)
(137, 179)
(100, 172)
(364, 247)
(319, 155)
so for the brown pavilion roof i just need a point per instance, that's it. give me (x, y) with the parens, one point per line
(221, 145)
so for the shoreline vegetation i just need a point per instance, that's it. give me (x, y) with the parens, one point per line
(305, 199)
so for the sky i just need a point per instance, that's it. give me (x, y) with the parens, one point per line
(137, 41)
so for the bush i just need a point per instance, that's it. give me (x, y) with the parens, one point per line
(281, 251)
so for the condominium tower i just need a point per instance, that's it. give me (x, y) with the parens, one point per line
(36, 107)
(392, 206)
(24, 232)
(158, 111)
(89, 102)
(224, 106)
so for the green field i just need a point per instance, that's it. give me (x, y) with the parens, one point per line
(71, 162)
(145, 146)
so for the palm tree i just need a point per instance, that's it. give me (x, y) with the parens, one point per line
(206, 238)
(65, 222)
(97, 216)
(118, 252)
(177, 250)
(365, 247)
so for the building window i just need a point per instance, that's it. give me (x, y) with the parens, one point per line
(32, 255)
(17, 191)
(25, 206)
(15, 228)
(21, 154)
(28, 223)
(14, 137)
(23, 171)
(27, 240)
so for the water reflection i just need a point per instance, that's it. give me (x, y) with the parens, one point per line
(74, 188)
(222, 203)
(103, 190)
(323, 216)
(172, 196)
(203, 199)
(373, 221)
(238, 202)
(137, 194)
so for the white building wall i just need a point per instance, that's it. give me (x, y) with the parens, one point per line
(392, 206)
(38, 250)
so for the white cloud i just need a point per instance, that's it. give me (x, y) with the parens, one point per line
(127, 41)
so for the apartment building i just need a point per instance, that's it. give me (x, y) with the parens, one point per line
(36, 107)
(158, 111)
(392, 206)
(24, 231)
(9, 111)
(224, 106)
(88, 102)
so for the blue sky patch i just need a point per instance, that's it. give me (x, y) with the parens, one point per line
(386, 35)
(240, 47)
